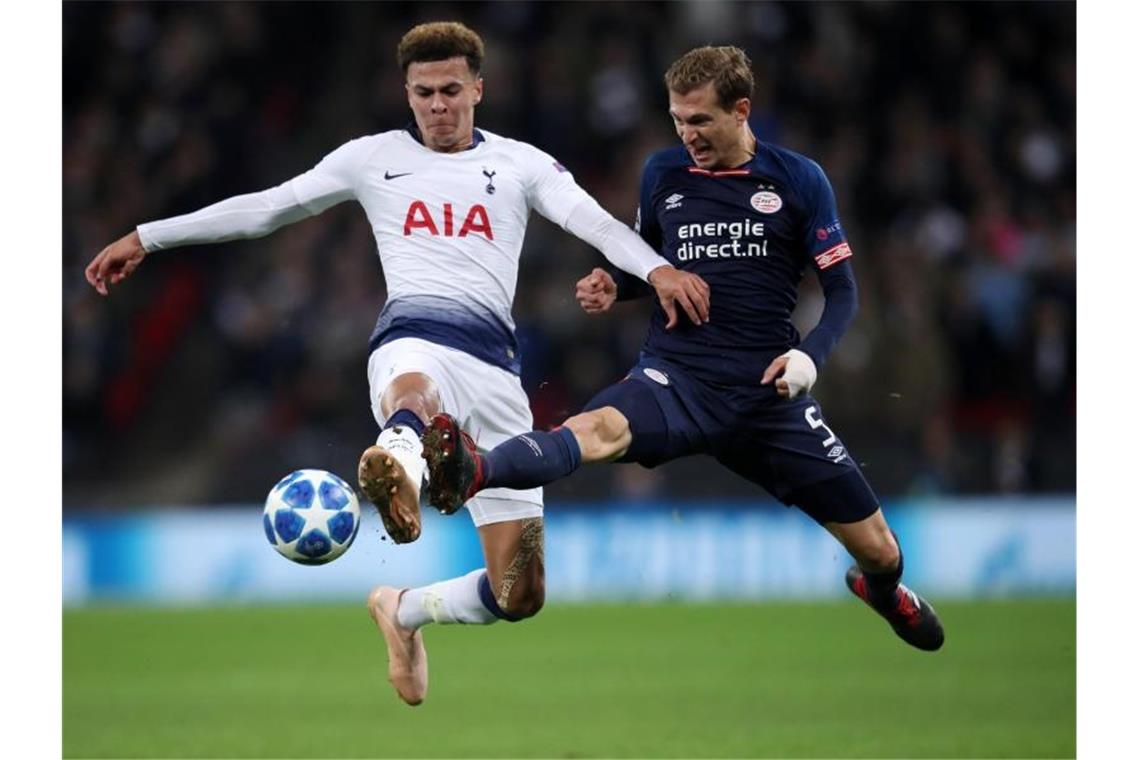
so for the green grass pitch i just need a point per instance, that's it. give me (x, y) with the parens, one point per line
(681, 680)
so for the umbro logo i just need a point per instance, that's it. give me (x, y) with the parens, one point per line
(673, 201)
(389, 175)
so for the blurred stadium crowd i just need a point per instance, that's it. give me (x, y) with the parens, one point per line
(948, 132)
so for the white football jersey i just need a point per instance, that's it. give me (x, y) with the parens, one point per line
(449, 228)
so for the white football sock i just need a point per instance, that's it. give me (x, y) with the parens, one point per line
(402, 442)
(452, 601)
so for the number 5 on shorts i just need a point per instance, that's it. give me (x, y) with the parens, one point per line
(816, 424)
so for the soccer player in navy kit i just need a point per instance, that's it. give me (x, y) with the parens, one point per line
(747, 217)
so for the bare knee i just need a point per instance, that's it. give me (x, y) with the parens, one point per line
(878, 553)
(526, 600)
(602, 433)
(413, 391)
(515, 567)
(870, 541)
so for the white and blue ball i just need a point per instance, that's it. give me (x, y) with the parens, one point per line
(311, 517)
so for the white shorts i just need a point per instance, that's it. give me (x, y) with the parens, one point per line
(489, 403)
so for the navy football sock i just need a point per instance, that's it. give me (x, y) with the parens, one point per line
(531, 459)
(487, 597)
(881, 586)
(408, 418)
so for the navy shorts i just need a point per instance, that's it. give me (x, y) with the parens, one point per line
(784, 446)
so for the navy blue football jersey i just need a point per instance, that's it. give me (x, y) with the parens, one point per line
(750, 232)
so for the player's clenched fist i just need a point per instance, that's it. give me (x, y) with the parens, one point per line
(115, 262)
(596, 292)
(794, 373)
(685, 289)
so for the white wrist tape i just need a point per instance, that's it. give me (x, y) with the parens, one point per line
(800, 372)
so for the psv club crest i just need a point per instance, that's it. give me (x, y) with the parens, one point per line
(767, 202)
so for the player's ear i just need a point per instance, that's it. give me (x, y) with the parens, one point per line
(742, 109)
(478, 90)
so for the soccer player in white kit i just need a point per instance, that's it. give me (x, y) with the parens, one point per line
(448, 204)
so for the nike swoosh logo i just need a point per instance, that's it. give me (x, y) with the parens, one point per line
(388, 175)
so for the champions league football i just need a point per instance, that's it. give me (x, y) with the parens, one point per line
(311, 517)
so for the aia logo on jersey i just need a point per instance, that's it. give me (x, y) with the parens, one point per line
(476, 221)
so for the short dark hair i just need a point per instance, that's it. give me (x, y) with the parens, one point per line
(727, 67)
(440, 41)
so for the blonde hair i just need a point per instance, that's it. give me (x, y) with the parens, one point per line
(439, 41)
(727, 67)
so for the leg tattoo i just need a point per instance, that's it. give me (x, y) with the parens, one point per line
(530, 546)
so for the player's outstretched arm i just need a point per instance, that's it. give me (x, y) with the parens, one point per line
(115, 263)
(246, 216)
